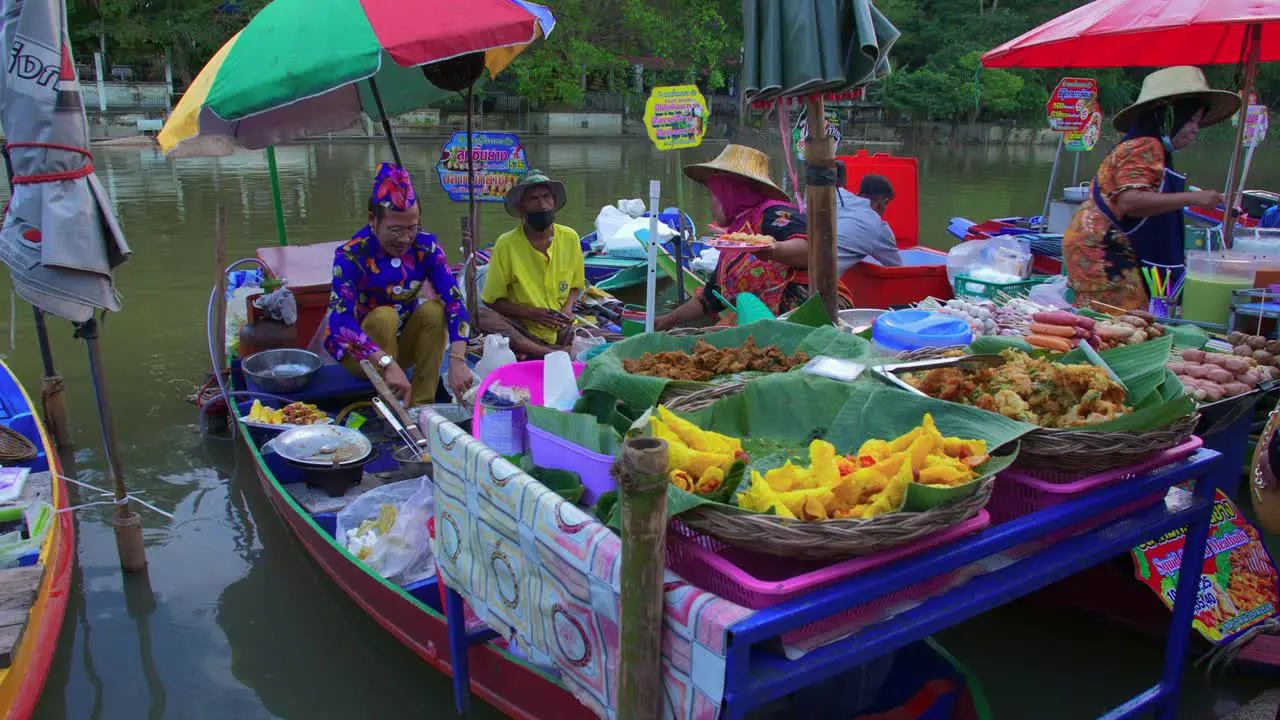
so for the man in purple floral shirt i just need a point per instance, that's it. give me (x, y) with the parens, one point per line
(378, 310)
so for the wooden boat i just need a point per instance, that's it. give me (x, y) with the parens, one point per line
(39, 588)
(412, 614)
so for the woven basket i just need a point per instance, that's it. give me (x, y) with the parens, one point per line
(15, 447)
(1085, 450)
(831, 539)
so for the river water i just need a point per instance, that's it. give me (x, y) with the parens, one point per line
(236, 621)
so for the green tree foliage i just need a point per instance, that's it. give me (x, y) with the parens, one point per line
(936, 74)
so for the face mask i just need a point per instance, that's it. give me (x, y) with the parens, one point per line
(540, 220)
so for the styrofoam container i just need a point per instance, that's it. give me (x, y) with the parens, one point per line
(555, 453)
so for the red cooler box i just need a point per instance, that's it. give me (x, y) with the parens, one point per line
(924, 270)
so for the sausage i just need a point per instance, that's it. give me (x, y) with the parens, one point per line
(1057, 317)
(1050, 342)
(1055, 330)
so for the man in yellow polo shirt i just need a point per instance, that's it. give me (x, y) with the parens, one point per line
(535, 272)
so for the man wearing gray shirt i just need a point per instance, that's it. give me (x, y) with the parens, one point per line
(861, 231)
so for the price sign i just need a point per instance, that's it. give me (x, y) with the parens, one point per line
(1072, 104)
(676, 117)
(800, 135)
(1256, 125)
(1084, 140)
(1238, 586)
(499, 160)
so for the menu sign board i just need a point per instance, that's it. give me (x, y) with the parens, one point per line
(499, 161)
(676, 117)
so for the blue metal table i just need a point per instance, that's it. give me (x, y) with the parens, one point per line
(755, 675)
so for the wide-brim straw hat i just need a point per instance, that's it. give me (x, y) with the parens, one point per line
(528, 180)
(744, 162)
(1168, 85)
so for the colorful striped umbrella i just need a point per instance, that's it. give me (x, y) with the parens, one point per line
(297, 68)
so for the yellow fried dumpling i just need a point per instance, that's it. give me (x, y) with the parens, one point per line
(813, 509)
(710, 481)
(902, 442)
(697, 438)
(787, 477)
(876, 449)
(961, 448)
(943, 475)
(682, 480)
(796, 500)
(760, 498)
(824, 471)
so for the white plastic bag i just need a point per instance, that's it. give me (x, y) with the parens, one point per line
(608, 222)
(624, 244)
(634, 207)
(706, 262)
(583, 341)
(497, 352)
(386, 529)
(1052, 293)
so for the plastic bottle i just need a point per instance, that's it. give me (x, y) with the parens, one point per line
(497, 352)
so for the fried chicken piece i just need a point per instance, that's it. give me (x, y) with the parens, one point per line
(704, 361)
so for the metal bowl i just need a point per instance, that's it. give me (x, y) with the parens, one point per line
(410, 464)
(283, 370)
(859, 319)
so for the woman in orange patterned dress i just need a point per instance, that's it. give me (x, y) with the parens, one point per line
(1134, 212)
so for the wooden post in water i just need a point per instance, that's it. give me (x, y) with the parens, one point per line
(820, 196)
(220, 285)
(641, 471)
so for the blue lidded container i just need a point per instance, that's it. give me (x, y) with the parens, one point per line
(904, 330)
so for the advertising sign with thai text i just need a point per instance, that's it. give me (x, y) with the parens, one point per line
(1238, 587)
(1072, 104)
(800, 135)
(499, 160)
(676, 117)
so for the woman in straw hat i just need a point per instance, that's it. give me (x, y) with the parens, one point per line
(1134, 213)
(745, 199)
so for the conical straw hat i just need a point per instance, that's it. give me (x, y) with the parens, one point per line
(1168, 85)
(747, 163)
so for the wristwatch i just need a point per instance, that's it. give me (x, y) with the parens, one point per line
(385, 361)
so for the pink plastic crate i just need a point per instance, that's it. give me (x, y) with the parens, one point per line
(1018, 493)
(759, 581)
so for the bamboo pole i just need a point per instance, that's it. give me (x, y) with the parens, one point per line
(126, 522)
(277, 202)
(52, 399)
(641, 471)
(220, 282)
(820, 196)
(469, 243)
(1253, 38)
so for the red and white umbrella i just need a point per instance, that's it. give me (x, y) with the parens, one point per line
(1155, 33)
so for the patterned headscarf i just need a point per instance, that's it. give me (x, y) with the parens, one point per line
(393, 189)
(737, 197)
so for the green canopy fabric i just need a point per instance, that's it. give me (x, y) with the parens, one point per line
(797, 48)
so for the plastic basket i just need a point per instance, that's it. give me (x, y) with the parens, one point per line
(759, 581)
(966, 286)
(555, 453)
(1018, 493)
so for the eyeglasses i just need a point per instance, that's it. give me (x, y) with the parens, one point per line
(398, 231)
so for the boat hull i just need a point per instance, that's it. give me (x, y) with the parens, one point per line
(514, 688)
(24, 680)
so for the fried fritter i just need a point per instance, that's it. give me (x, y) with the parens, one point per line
(1032, 390)
(706, 362)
